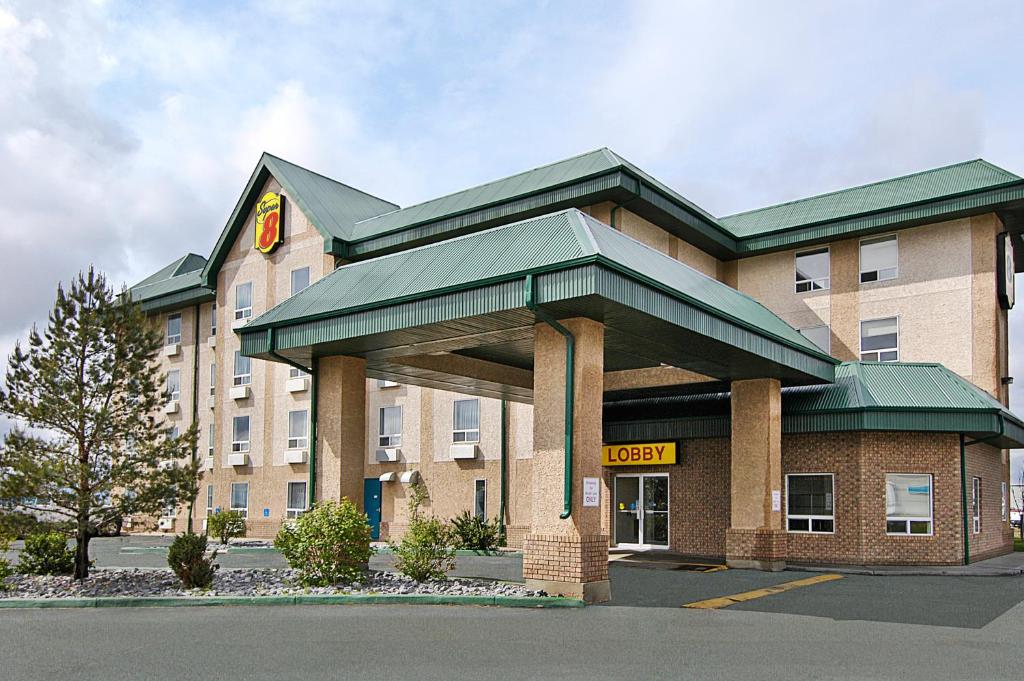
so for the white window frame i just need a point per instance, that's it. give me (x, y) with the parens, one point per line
(476, 484)
(231, 499)
(826, 279)
(917, 519)
(466, 431)
(241, 379)
(879, 352)
(173, 395)
(811, 518)
(297, 373)
(173, 339)
(389, 439)
(976, 504)
(291, 279)
(243, 312)
(860, 257)
(828, 336)
(209, 500)
(211, 440)
(384, 383)
(213, 320)
(1005, 508)
(240, 446)
(289, 511)
(170, 508)
(213, 379)
(296, 441)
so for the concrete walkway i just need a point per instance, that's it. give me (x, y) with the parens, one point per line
(1000, 566)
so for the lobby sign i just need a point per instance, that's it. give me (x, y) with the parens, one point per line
(639, 454)
(1005, 267)
(269, 223)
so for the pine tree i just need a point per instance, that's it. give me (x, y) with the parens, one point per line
(85, 399)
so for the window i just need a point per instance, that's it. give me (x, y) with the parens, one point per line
(480, 499)
(812, 270)
(298, 433)
(908, 503)
(209, 500)
(212, 440)
(173, 328)
(300, 279)
(170, 508)
(879, 259)
(243, 369)
(880, 340)
(172, 433)
(819, 335)
(240, 498)
(243, 300)
(213, 379)
(466, 423)
(173, 385)
(390, 427)
(1004, 500)
(213, 320)
(296, 373)
(809, 503)
(976, 504)
(381, 383)
(240, 434)
(296, 499)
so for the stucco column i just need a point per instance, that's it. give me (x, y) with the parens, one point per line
(567, 556)
(755, 538)
(341, 429)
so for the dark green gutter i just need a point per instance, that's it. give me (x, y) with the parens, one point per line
(195, 404)
(570, 396)
(314, 380)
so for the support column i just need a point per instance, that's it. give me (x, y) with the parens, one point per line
(756, 538)
(341, 429)
(567, 556)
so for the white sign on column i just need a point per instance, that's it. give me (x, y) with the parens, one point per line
(591, 491)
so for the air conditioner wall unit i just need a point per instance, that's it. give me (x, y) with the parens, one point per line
(297, 385)
(171, 407)
(238, 459)
(172, 349)
(388, 454)
(238, 323)
(464, 451)
(166, 524)
(212, 341)
(239, 392)
(295, 456)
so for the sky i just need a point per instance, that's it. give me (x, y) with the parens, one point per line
(128, 130)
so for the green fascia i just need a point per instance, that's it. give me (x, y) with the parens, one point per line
(171, 301)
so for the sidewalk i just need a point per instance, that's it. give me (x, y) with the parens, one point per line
(1000, 566)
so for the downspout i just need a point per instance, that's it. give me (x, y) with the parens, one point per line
(195, 403)
(570, 349)
(314, 385)
(504, 465)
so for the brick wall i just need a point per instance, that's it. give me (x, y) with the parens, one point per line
(996, 537)
(559, 558)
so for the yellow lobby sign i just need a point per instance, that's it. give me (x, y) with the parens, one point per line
(639, 454)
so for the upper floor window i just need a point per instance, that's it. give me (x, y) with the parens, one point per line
(213, 320)
(880, 340)
(243, 369)
(240, 434)
(240, 498)
(296, 499)
(211, 442)
(466, 422)
(812, 270)
(173, 385)
(300, 279)
(213, 379)
(298, 429)
(243, 300)
(879, 259)
(819, 335)
(390, 423)
(296, 373)
(384, 383)
(173, 328)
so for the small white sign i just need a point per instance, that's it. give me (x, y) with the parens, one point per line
(591, 491)
(776, 500)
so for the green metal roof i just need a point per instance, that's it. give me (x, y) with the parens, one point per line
(928, 185)
(865, 396)
(177, 284)
(332, 207)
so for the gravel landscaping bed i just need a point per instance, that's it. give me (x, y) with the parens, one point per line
(139, 582)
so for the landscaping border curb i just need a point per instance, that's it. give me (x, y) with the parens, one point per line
(300, 599)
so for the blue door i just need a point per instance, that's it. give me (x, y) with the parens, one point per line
(371, 503)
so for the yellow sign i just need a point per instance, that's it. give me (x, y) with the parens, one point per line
(640, 454)
(269, 223)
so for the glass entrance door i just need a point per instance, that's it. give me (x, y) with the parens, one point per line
(641, 511)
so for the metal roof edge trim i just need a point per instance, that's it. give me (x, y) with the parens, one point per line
(195, 294)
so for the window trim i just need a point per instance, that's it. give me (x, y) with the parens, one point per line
(389, 439)
(976, 504)
(300, 442)
(860, 343)
(292, 513)
(240, 446)
(291, 279)
(828, 328)
(173, 395)
(860, 258)
(917, 519)
(1005, 515)
(168, 338)
(243, 312)
(231, 500)
(213, 320)
(476, 484)
(811, 518)
(213, 379)
(209, 500)
(240, 379)
(827, 279)
(211, 440)
(466, 431)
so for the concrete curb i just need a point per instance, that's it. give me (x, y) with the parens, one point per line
(386, 551)
(340, 599)
(132, 550)
(911, 571)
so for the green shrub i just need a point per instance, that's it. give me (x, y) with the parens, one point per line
(327, 545)
(46, 554)
(471, 532)
(5, 565)
(226, 525)
(427, 550)
(187, 558)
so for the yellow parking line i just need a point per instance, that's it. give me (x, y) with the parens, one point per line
(726, 601)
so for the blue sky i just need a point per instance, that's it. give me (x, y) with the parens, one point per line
(127, 130)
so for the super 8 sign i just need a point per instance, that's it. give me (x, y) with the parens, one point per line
(639, 454)
(269, 222)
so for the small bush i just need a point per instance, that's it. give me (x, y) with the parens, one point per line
(226, 525)
(46, 554)
(427, 550)
(471, 532)
(5, 565)
(187, 558)
(327, 545)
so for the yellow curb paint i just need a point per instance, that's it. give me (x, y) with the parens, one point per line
(726, 601)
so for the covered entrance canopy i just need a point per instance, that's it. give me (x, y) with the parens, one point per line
(457, 315)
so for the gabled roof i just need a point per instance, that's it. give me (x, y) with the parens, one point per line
(927, 185)
(175, 285)
(332, 207)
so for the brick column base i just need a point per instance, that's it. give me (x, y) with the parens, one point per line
(760, 549)
(567, 566)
